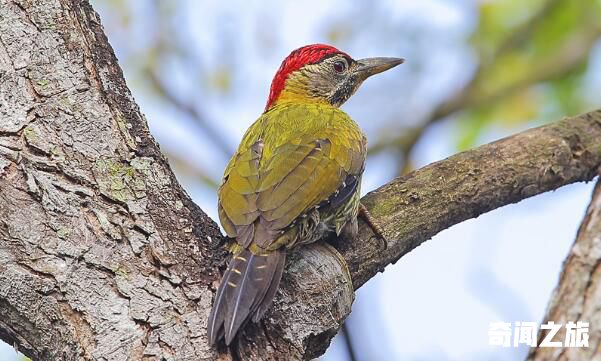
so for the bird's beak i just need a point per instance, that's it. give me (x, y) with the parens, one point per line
(371, 66)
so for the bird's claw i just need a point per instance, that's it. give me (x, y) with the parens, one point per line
(363, 212)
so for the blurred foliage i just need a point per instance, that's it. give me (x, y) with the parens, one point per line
(528, 62)
(530, 65)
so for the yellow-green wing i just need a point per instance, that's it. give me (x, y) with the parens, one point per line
(288, 162)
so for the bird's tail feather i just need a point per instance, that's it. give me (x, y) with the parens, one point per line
(246, 291)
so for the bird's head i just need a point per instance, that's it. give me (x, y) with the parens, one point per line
(321, 72)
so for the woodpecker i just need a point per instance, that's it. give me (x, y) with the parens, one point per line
(294, 179)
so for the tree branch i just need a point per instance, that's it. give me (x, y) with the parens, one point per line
(413, 208)
(576, 298)
(104, 256)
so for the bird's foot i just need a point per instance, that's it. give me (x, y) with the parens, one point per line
(363, 212)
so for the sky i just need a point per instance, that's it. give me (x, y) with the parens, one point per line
(438, 301)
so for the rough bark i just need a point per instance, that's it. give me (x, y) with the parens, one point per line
(104, 256)
(413, 208)
(578, 295)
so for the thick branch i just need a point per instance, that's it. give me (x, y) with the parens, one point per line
(102, 254)
(576, 298)
(413, 208)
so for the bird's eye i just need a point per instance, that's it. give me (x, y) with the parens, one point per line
(339, 66)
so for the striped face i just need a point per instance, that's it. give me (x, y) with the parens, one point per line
(332, 79)
(323, 73)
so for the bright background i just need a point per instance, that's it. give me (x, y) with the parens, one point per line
(476, 71)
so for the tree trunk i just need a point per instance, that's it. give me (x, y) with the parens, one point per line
(104, 256)
(578, 295)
